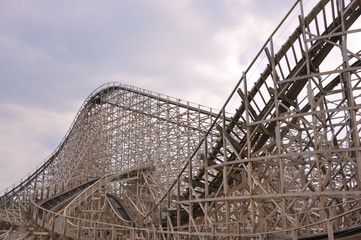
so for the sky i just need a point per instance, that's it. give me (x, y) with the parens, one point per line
(53, 54)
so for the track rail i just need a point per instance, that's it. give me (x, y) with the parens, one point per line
(122, 113)
(286, 163)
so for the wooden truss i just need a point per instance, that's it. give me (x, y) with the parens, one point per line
(281, 159)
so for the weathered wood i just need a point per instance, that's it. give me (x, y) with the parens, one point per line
(285, 163)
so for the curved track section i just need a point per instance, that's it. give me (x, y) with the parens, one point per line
(285, 165)
(289, 162)
(119, 127)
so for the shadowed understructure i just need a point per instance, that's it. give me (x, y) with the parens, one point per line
(281, 160)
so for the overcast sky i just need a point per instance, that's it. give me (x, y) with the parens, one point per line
(53, 54)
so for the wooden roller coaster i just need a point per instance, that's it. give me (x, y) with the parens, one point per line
(281, 160)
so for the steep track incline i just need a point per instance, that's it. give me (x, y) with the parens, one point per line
(119, 127)
(282, 160)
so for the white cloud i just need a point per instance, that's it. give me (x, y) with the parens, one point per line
(53, 54)
(28, 136)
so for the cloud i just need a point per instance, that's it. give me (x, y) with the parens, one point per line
(53, 54)
(28, 137)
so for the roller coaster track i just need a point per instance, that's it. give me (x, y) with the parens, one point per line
(116, 122)
(281, 160)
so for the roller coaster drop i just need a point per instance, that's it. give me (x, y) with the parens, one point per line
(282, 159)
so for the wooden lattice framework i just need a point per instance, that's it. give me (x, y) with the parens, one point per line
(119, 127)
(282, 158)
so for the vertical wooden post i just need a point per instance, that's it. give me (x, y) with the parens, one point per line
(96, 231)
(225, 168)
(190, 187)
(131, 234)
(349, 95)
(42, 192)
(278, 136)
(78, 230)
(43, 219)
(330, 230)
(113, 232)
(249, 166)
(168, 215)
(190, 174)
(178, 209)
(36, 214)
(47, 191)
(206, 187)
(64, 225)
(160, 218)
(53, 222)
(294, 234)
